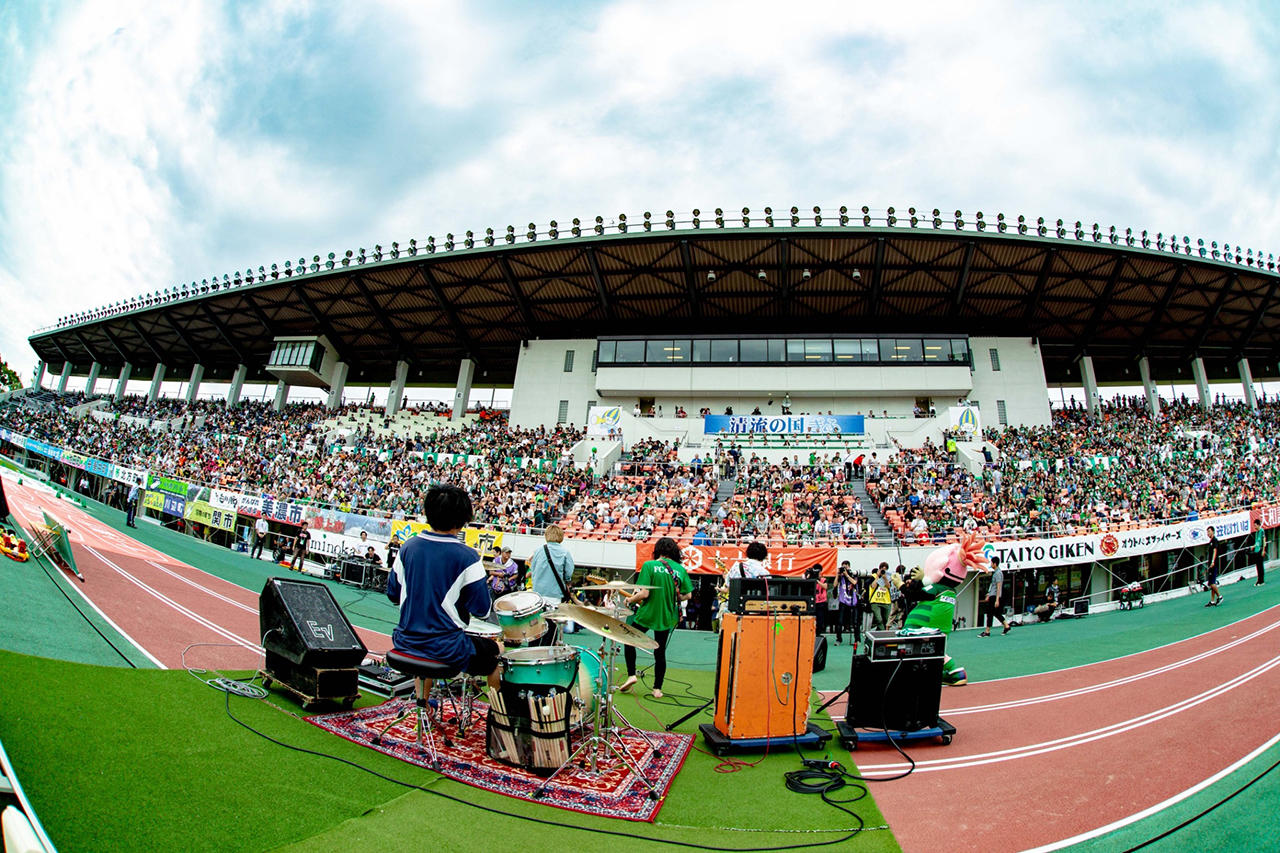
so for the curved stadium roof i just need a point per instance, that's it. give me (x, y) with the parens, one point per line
(1115, 295)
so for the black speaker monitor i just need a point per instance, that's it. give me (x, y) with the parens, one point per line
(900, 695)
(820, 653)
(300, 621)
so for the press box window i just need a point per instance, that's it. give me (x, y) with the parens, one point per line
(568, 361)
(563, 414)
(995, 359)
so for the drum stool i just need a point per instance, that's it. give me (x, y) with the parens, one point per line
(425, 671)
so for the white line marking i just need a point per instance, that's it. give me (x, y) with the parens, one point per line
(1130, 654)
(1128, 679)
(217, 629)
(192, 583)
(1158, 807)
(963, 761)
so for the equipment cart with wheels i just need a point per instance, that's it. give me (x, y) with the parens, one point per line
(850, 737)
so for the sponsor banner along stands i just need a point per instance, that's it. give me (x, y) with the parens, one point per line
(1114, 545)
(701, 559)
(482, 540)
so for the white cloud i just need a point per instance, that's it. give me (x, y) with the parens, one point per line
(132, 165)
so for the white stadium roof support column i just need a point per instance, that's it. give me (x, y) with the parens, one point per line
(157, 379)
(63, 377)
(282, 396)
(462, 393)
(92, 381)
(1246, 382)
(237, 386)
(1153, 393)
(39, 377)
(197, 376)
(338, 384)
(1090, 381)
(126, 371)
(1202, 382)
(396, 392)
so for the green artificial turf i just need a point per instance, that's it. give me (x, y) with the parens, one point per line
(115, 759)
(43, 614)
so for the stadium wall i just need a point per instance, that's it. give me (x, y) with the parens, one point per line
(1014, 376)
(542, 383)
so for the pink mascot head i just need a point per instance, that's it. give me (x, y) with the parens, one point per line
(950, 563)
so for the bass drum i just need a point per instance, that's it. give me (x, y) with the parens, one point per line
(585, 689)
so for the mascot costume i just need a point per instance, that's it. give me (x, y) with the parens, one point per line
(944, 570)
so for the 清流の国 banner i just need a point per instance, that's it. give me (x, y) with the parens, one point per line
(783, 424)
(1114, 545)
(706, 559)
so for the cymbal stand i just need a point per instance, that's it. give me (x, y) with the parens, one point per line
(597, 743)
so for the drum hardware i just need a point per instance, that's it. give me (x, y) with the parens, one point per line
(612, 586)
(599, 745)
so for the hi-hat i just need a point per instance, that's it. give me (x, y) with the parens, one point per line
(607, 626)
(612, 586)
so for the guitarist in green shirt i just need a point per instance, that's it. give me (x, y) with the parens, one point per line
(657, 609)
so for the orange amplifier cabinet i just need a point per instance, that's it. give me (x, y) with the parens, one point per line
(764, 675)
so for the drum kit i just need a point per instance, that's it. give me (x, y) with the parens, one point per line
(550, 689)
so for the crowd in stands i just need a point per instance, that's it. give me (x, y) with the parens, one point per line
(1079, 474)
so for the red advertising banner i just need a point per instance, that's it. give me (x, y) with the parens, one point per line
(701, 559)
(1267, 516)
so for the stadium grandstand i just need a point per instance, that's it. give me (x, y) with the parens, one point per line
(860, 387)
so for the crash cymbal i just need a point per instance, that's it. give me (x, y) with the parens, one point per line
(613, 586)
(607, 627)
(618, 611)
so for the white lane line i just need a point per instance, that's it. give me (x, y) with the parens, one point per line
(195, 585)
(1158, 807)
(1130, 654)
(1128, 679)
(217, 629)
(978, 759)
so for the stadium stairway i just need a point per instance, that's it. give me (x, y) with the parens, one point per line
(723, 493)
(879, 527)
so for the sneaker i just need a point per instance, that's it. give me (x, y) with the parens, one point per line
(955, 677)
(1209, 604)
(1007, 628)
(985, 634)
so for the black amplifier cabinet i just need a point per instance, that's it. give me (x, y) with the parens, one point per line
(748, 596)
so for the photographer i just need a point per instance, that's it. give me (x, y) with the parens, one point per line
(814, 573)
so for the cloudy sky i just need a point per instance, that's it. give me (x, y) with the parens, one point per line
(143, 144)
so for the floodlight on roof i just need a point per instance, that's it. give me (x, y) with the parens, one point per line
(622, 223)
(648, 221)
(554, 231)
(488, 236)
(768, 216)
(866, 215)
(844, 215)
(531, 233)
(959, 220)
(697, 223)
(795, 216)
(577, 227)
(413, 245)
(511, 234)
(937, 219)
(671, 220)
(746, 217)
(469, 242)
(915, 220)
(448, 242)
(982, 224)
(892, 219)
(719, 218)
(599, 228)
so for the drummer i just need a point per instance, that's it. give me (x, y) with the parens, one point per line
(439, 584)
(658, 608)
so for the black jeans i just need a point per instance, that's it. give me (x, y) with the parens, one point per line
(848, 620)
(659, 656)
(820, 612)
(1258, 559)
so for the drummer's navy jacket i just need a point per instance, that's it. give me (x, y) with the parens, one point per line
(439, 584)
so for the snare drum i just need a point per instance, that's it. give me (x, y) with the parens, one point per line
(541, 665)
(521, 616)
(486, 630)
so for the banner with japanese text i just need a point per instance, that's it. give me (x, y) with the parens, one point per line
(783, 424)
(1114, 545)
(706, 559)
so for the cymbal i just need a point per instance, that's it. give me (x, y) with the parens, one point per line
(608, 627)
(612, 586)
(618, 611)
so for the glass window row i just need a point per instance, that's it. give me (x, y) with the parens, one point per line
(785, 351)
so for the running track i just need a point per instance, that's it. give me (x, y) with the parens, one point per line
(1037, 759)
